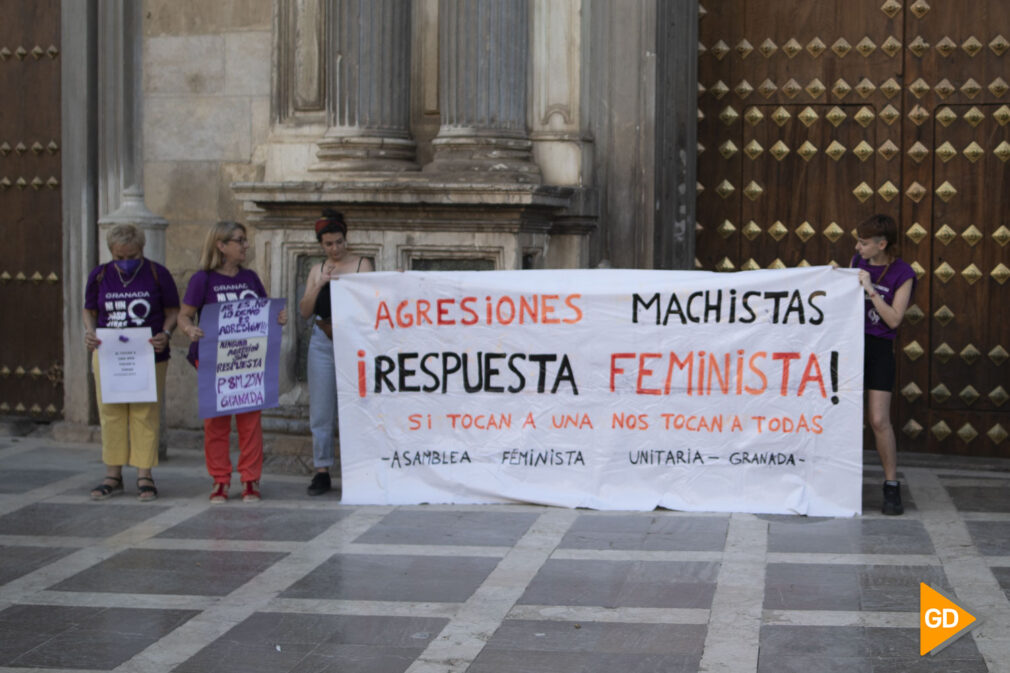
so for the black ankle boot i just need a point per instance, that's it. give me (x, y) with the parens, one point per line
(320, 483)
(892, 499)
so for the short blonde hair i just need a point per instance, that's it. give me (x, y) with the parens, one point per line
(221, 232)
(125, 234)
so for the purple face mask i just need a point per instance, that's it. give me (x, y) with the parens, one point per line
(128, 266)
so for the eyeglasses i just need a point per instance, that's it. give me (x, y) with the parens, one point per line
(241, 240)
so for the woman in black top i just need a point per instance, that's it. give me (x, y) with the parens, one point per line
(331, 232)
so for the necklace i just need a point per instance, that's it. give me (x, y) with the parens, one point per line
(123, 279)
(884, 272)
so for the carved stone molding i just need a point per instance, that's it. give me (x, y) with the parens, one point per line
(299, 73)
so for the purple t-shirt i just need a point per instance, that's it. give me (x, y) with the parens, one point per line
(886, 285)
(211, 287)
(139, 302)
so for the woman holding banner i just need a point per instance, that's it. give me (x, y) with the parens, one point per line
(222, 277)
(889, 283)
(331, 232)
(130, 291)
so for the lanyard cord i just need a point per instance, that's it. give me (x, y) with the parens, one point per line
(882, 273)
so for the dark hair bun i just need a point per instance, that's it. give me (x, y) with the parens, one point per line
(332, 221)
(332, 214)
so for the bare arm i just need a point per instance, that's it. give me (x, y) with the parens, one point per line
(186, 324)
(312, 287)
(90, 324)
(894, 313)
(160, 340)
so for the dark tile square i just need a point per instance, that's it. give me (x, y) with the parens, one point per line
(256, 523)
(18, 561)
(22, 481)
(803, 586)
(276, 642)
(991, 537)
(831, 649)
(171, 571)
(1003, 577)
(486, 529)
(357, 659)
(799, 586)
(873, 496)
(42, 636)
(655, 532)
(599, 637)
(981, 498)
(612, 584)
(376, 577)
(77, 520)
(280, 627)
(179, 486)
(503, 661)
(849, 536)
(802, 663)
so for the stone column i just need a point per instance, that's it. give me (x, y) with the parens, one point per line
(368, 66)
(121, 128)
(483, 50)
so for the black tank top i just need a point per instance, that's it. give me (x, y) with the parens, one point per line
(322, 308)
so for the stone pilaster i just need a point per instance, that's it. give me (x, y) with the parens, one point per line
(78, 146)
(368, 65)
(121, 128)
(483, 48)
(676, 134)
(562, 143)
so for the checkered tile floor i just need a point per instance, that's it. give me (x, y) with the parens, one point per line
(305, 584)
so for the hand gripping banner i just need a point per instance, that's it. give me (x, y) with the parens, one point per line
(608, 389)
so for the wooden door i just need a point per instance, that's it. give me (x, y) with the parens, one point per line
(31, 327)
(814, 115)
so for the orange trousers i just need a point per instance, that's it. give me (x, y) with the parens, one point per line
(216, 445)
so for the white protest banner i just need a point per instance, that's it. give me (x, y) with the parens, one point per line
(609, 389)
(126, 363)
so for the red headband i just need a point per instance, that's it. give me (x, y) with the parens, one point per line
(322, 222)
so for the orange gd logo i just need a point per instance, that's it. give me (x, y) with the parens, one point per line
(941, 621)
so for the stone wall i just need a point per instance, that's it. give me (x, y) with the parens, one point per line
(225, 137)
(206, 83)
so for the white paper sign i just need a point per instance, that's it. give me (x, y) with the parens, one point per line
(126, 362)
(609, 389)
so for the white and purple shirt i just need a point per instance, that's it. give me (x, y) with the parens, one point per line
(885, 280)
(211, 287)
(140, 301)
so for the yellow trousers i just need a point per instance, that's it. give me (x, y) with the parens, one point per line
(130, 431)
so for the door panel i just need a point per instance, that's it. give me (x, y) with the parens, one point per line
(813, 116)
(31, 372)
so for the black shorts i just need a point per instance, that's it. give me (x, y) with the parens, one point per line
(878, 363)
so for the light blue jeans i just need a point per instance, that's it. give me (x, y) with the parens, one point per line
(322, 397)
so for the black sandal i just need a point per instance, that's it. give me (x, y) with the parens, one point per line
(146, 493)
(105, 491)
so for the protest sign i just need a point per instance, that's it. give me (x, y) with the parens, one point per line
(239, 356)
(609, 389)
(126, 362)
